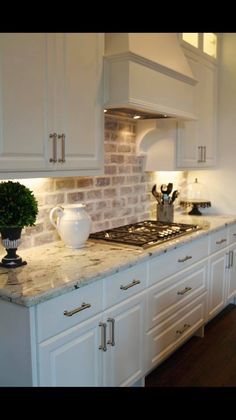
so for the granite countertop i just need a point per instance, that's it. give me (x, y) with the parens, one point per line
(54, 269)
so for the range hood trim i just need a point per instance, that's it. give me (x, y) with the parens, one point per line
(152, 65)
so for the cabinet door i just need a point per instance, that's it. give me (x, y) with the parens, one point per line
(231, 284)
(72, 358)
(123, 362)
(217, 281)
(196, 144)
(24, 91)
(79, 108)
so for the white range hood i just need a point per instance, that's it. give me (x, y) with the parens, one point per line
(148, 72)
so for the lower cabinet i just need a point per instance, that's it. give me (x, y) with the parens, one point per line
(106, 350)
(72, 358)
(167, 336)
(217, 281)
(222, 275)
(123, 361)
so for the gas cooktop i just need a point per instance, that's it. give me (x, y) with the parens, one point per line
(144, 234)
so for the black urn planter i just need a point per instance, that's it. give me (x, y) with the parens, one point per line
(11, 241)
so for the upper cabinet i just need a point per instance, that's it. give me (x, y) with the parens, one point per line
(51, 104)
(196, 143)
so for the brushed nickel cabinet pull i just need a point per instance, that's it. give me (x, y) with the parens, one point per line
(185, 327)
(204, 154)
(53, 136)
(112, 331)
(103, 345)
(199, 154)
(221, 241)
(234, 234)
(228, 263)
(75, 311)
(185, 290)
(134, 282)
(63, 147)
(188, 257)
(232, 258)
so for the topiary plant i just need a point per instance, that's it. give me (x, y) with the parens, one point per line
(18, 206)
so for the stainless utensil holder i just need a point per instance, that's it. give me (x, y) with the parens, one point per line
(165, 212)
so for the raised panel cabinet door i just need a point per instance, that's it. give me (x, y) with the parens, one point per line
(24, 107)
(207, 112)
(231, 270)
(188, 131)
(123, 361)
(196, 144)
(79, 111)
(72, 358)
(217, 283)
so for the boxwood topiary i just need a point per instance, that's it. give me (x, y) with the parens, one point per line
(18, 206)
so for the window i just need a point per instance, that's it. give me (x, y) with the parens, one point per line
(205, 42)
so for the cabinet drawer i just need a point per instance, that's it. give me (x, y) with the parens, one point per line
(232, 233)
(50, 315)
(124, 284)
(173, 261)
(162, 340)
(172, 293)
(219, 240)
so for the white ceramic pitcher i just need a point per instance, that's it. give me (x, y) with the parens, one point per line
(73, 224)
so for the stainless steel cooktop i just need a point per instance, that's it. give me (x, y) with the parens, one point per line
(144, 234)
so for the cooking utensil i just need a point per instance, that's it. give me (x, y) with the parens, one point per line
(156, 194)
(174, 196)
(169, 188)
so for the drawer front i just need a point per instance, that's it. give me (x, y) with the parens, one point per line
(173, 261)
(168, 336)
(232, 234)
(171, 294)
(219, 240)
(124, 284)
(79, 305)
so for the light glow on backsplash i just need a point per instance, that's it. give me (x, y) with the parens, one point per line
(177, 178)
(33, 184)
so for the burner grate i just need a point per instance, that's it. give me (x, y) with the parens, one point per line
(144, 234)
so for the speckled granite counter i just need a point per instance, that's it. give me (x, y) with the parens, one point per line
(54, 269)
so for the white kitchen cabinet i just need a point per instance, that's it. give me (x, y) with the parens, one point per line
(196, 140)
(217, 283)
(176, 309)
(101, 350)
(168, 335)
(123, 361)
(72, 358)
(51, 104)
(222, 270)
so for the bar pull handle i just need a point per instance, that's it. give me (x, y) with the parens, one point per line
(228, 262)
(232, 258)
(62, 137)
(188, 257)
(79, 309)
(112, 331)
(199, 154)
(221, 241)
(53, 136)
(103, 345)
(204, 154)
(134, 282)
(185, 327)
(185, 290)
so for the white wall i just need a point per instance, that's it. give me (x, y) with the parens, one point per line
(222, 181)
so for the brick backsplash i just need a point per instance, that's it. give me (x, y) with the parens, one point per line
(121, 196)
